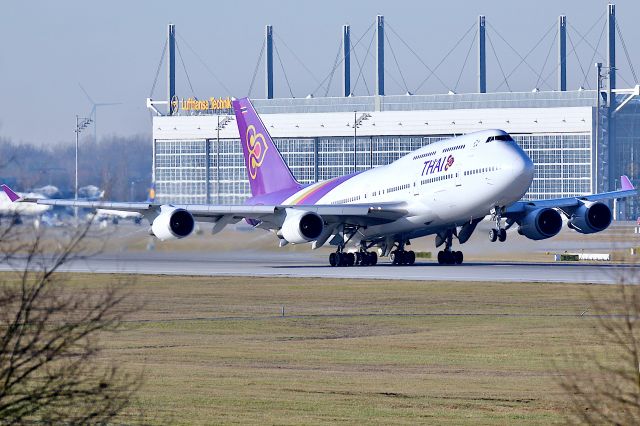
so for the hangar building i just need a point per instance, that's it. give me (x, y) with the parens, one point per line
(571, 136)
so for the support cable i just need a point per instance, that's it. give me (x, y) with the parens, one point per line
(185, 70)
(624, 80)
(595, 50)
(397, 64)
(444, 58)
(545, 63)
(506, 80)
(626, 53)
(341, 60)
(255, 71)
(205, 64)
(361, 66)
(275, 47)
(583, 38)
(335, 66)
(464, 65)
(575, 47)
(432, 71)
(155, 80)
(296, 57)
(385, 69)
(523, 59)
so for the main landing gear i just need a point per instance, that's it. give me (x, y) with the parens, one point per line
(498, 233)
(361, 258)
(448, 256)
(401, 256)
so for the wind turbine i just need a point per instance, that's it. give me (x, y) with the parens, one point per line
(94, 111)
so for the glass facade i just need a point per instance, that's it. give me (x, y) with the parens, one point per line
(208, 171)
(562, 164)
(627, 155)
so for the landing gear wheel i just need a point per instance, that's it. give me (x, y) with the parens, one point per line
(493, 235)
(360, 258)
(410, 257)
(333, 259)
(350, 259)
(502, 235)
(449, 258)
(372, 258)
(394, 257)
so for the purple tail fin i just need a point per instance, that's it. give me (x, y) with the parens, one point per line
(266, 169)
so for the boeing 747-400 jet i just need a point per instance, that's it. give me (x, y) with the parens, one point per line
(442, 189)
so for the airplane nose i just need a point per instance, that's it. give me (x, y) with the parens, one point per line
(521, 167)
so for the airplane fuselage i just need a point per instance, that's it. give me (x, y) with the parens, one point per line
(443, 184)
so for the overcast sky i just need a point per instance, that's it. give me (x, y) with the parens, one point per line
(113, 49)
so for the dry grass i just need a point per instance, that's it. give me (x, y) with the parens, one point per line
(216, 350)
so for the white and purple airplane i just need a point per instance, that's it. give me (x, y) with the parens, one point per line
(443, 189)
(17, 211)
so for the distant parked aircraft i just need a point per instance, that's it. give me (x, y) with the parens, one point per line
(17, 211)
(443, 189)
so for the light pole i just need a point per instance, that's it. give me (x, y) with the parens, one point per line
(81, 124)
(355, 141)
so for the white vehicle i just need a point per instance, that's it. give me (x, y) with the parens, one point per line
(443, 189)
(104, 215)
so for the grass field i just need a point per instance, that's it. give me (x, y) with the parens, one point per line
(218, 350)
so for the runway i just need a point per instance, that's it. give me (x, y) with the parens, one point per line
(273, 264)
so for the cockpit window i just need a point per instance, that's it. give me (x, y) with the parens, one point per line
(505, 138)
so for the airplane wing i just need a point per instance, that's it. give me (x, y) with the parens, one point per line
(522, 207)
(272, 215)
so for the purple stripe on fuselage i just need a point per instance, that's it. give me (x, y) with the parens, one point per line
(271, 199)
(279, 197)
(329, 186)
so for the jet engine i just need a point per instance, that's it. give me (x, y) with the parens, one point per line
(540, 224)
(172, 223)
(590, 217)
(301, 226)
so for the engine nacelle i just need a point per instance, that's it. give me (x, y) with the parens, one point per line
(301, 226)
(540, 224)
(172, 223)
(590, 217)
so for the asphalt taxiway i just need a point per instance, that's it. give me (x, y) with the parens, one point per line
(273, 264)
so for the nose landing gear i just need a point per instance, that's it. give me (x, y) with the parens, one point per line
(499, 233)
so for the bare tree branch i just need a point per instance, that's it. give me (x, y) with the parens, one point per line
(50, 371)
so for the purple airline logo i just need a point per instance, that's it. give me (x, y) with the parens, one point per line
(437, 165)
(257, 147)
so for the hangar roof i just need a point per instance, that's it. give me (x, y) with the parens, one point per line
(392, 123)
